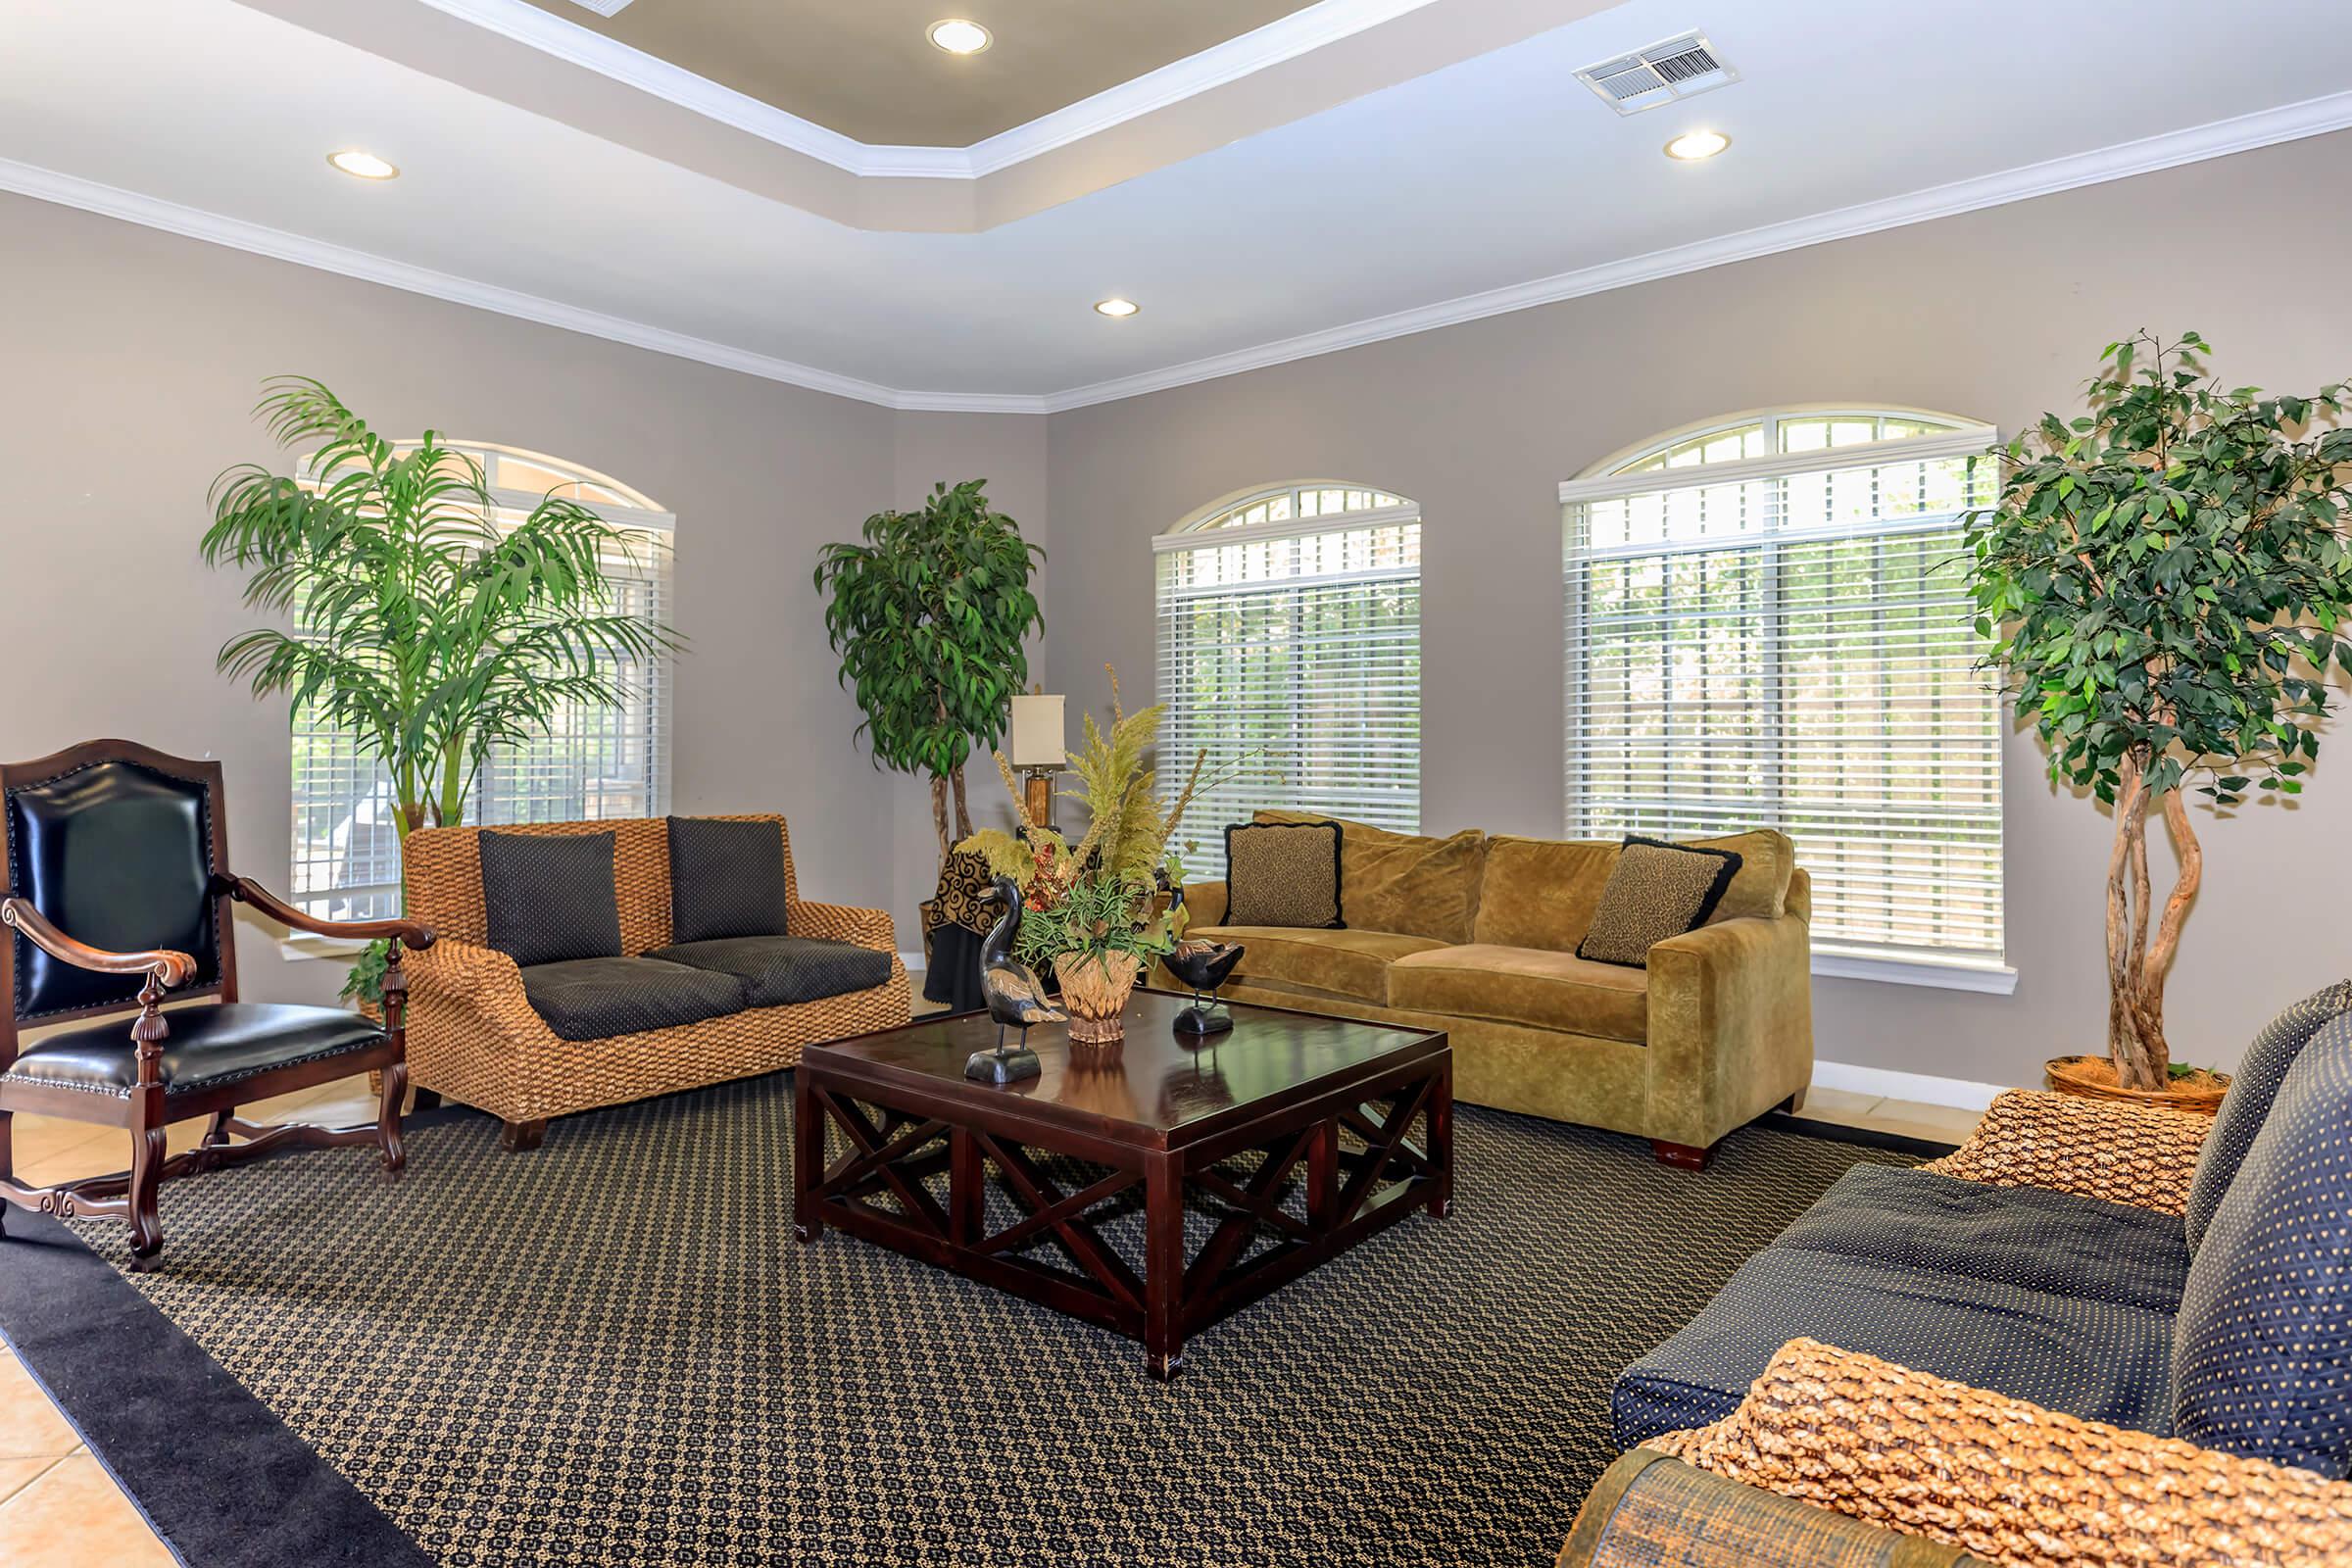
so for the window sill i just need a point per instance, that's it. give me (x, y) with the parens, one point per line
(296, 946)
(1943, 974)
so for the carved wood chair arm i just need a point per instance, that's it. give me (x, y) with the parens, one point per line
(169, 968)
(414, 934)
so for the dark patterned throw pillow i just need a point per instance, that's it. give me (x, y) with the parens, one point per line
(2262, 1349)
(1283, 873)
(550, 897)
(1657, 889)
(726, 879)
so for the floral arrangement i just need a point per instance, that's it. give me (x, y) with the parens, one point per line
(1095, 901)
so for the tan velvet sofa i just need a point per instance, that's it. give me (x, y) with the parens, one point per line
(1477, 936)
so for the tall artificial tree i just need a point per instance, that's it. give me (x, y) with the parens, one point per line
(2166, 579)
(929, 615)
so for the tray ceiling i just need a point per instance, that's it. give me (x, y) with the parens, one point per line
(868, 69)
(1456, 191)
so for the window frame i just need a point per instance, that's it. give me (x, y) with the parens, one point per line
(1206, 529)
(625, 506)
(1620, 475)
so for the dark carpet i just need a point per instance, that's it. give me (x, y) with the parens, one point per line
(613, 1352)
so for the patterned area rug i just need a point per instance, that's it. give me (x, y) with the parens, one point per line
(611, 1351)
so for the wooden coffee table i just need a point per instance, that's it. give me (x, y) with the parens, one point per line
(1291, 1138)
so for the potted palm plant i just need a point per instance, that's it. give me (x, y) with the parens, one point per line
(420, 625)
(1093, 911)
(2167, 579)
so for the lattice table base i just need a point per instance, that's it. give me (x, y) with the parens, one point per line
(1135, 1229)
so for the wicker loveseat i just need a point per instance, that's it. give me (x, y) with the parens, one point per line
(2097, 1333)
(475, 1037)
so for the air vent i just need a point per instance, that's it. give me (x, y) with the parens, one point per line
(1680, 66)
(603, 8)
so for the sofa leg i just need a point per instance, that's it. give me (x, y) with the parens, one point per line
(519, 1137)
(1796, 1102)
(1681, 1157)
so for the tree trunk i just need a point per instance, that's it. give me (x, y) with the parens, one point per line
(939, 815)
(964, 815)
(2127, 1046)
(2138, 964)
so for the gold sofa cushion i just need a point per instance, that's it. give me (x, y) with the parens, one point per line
(1341, 964)
(1534, 986)
(1407, 882)
(1541, 893)
(1760, 889)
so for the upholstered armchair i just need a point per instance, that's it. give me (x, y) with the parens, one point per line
(118, 898)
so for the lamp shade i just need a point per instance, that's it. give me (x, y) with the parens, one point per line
(1036, 732)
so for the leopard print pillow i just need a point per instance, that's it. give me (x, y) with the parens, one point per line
(1283, 873)
(1657, 889)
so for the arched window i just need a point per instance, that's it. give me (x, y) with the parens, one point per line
(1767, 626)
(1290, 646)
(594, 761)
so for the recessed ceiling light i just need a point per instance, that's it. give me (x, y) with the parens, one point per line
(1116, 307)
(959, 38)
(361, 166)
(1692, 145)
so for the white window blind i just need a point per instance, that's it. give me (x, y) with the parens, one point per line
(1290, 645)
(1767, 626)
(595, 762)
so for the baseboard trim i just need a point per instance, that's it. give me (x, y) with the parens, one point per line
(1886, 1083)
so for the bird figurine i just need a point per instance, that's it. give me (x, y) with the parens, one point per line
(1204, 965)
(1015, 995)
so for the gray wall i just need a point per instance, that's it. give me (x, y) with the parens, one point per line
(1996, 314)
(131, 359)
(132, 356)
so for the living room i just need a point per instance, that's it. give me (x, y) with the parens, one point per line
(1338, 378)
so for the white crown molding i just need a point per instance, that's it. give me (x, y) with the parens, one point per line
(2263, 129)
(2288, 123)
(1286, 38)
(970, 402)
(151, 212)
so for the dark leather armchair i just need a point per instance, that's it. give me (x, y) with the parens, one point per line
(117, 898)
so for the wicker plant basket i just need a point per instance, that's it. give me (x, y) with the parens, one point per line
(2093, 1078)
(1095, 988)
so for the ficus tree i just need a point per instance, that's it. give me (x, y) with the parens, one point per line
(929, 615)
(2166, 579)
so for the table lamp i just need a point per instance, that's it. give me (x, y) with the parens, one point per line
(1035, 749)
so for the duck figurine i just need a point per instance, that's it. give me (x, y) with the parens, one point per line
(1203, 965)
(1015, 995)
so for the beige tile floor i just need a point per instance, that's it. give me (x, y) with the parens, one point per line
(59, 1510)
